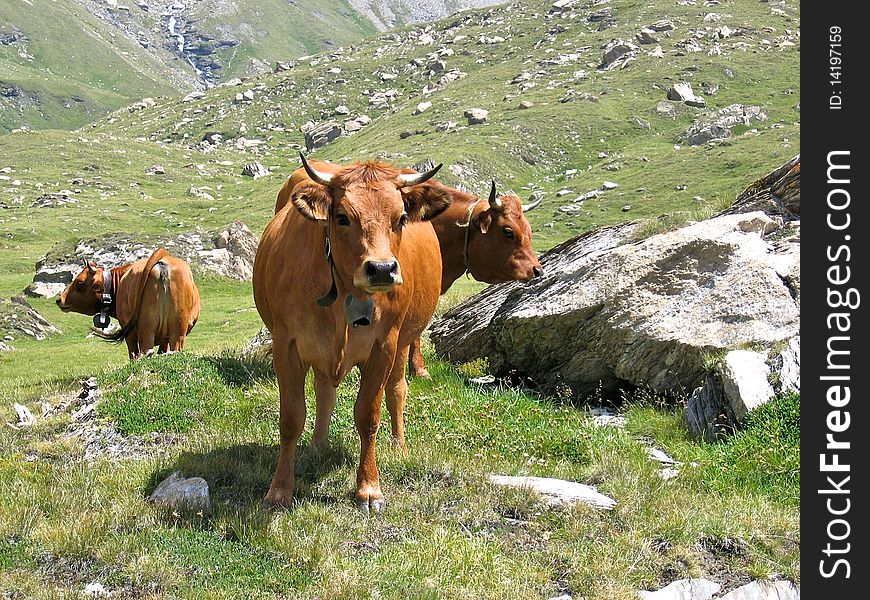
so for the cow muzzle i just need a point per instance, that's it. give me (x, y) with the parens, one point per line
(379, 275)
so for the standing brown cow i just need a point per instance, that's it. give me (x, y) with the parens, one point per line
(491, 240)
(155, 300)
(335, 275)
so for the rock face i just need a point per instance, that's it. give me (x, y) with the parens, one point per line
(228, 251)
(612, 311)
(765, 590)
(19, 319)
(183, 495)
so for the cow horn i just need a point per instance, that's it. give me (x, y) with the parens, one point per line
(530, 206)
(87, 265)
(315, 175)
(494, 202)
(406, 179)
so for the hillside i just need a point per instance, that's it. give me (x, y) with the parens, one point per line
(584, 125)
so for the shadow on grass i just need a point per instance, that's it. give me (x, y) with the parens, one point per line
(239, 477)
(242, 371)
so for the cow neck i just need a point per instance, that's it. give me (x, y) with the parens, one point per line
(357, 313)
(466, 224)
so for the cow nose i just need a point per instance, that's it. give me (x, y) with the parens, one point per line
(537, 271)
(381, 272)
(57, 301)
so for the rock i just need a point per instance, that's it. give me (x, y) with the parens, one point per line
(352, 126)
(662, 25)
(558, 492)
(142, 104)
(717, 125)
(422, 107)
(778, 193)
(54, 199)
(341, 109)
(683, 92)
(524, 104)
(445, 126)
(617, 53)
(645, 36)
(25, 417)
(213, 137)
(281, 65)
(657, 52)
(95, 589)
(320, 135)
(609, 185)
(260, 345)
(155, 170)
(684, 589)
(19, 319)
(476, 116)
(765, 590)
(255, 170)
(193, 96)
(198, 193)
(626, 208)
(659, 456)
(183, 495)
(666, 109)
(646, 314)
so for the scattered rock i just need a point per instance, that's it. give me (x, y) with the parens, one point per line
(609, 185)
(54, 199)
(422, 107)
(198, 193)
(683, 92)
(255, 170)
(284, 65)
(155, 170)
(617, 53)
(645, 36)
(183, 495)
(524, 104)
(320, 135)
(193, 96)
(476, 116)
(19, 319)
(558, 492)
(717, 125)
(684, 589)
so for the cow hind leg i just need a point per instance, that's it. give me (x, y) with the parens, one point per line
(325, 395)
(132, 346)
(416, 366)
(397, 392)
(291, 385)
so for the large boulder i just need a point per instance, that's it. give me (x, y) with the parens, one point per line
(662, 313)
(227, 251)
(18, 320)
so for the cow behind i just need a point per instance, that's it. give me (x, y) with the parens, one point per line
(155, 300)
(336, 272)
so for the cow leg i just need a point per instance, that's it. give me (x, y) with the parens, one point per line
(415, 361)
(291, 386)
(397, 392)
(146, 342)
(367, 414)
(132, 346)
(325, 395)
(163, 348)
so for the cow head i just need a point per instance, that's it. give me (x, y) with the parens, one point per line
(84, 294)
(503, 251)
(365, 206)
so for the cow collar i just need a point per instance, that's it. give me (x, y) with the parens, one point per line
(469, 214)
(103, 318)
(357, 313)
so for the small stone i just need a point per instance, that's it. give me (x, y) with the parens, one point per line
(422, 107)
(609, 185)
(557, 492)
(255, 170)
(183, 495)
(193, 96)
(342, 110)
(476, 116)
(626, 208)
(524, 104)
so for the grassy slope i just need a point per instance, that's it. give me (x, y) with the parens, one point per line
(446, 533)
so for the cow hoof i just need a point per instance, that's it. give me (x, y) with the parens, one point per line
(400, 446)
(370, 505)
(422, 373)
(279, 498)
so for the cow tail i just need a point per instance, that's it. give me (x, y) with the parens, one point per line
(127, 329)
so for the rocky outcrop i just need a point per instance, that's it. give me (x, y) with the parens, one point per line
(669, 313)
(228, 251)
(18, 319)
(717, 125)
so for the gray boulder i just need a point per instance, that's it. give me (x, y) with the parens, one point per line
(183, 495)
(255, 170)
(18, 320)
(617, 53)
(476, 116)
(765, 590)
(717, 125)
(320, 135)
(684, 589)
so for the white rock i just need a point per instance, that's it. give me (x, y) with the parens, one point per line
(684, 589)
(558, 492)
(745, 379)
(765, 590)
(422, 107)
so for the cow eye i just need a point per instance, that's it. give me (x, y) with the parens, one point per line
(80, 285)
(508, 233)
(403, 220)
(342, 220)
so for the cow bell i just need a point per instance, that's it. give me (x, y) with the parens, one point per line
(102, 320)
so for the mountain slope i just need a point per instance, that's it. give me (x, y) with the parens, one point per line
(584, 124)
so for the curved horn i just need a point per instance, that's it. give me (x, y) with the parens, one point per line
(494, 202)
(87, 265)
(528, 207)
(406, 179)
(314, 174)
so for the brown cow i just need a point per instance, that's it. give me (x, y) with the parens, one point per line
(335, 274)
(492, 240)
(155, 300)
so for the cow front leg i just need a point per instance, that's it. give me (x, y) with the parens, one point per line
(397, 392)
(132, 346)
(291, 386)
(325, 395)
(367, 415)
(415, 361)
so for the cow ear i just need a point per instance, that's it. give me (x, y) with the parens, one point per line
(426, 201)
(483, 221)
(312, 200)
